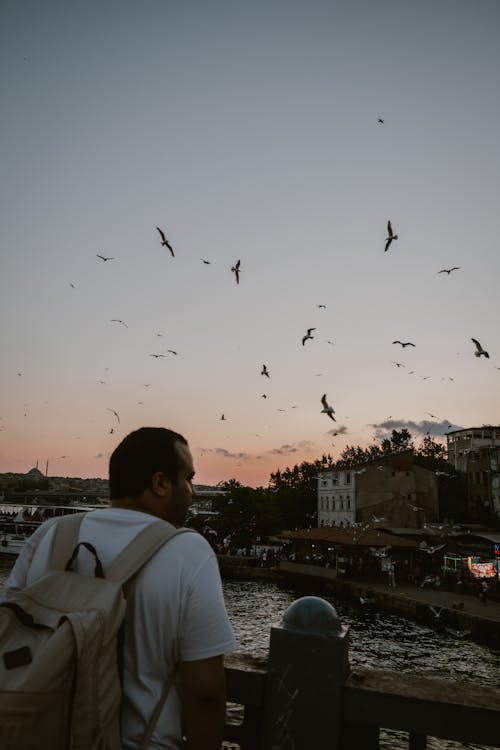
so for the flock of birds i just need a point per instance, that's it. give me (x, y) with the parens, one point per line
(236, 269)
(308, 336)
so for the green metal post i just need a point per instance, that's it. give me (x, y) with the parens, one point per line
(308, 665)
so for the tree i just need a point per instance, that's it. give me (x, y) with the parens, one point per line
(399, 440)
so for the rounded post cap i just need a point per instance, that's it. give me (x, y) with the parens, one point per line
(312, 614)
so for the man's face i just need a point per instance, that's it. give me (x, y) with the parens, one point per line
(182, 489)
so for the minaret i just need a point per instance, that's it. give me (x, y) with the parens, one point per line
(47, 467)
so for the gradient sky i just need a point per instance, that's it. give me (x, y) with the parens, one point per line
(246, 130)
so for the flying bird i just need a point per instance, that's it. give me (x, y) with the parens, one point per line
(103, 257)
(157, 356)
(449, 270)
(398, 364)
(322, 307)
(436, 612)
(165, 242)
(458, 633)
(72, 285)
(380, 120)
(431, 550)
(307, 336)
(122, 322)
(479, 349)
(265, 371)
(327, 409)
(404, 343)
(206, 262)
(264, 395)
(236, 270)
(115, 413)
(223, 418)
(390, 236)
(172, 352)
(414, 508)
(380, 551)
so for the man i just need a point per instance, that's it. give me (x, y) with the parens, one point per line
(175, 616)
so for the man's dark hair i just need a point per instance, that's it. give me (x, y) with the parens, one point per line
(139, 456)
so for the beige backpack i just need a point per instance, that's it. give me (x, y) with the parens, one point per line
(60, 655)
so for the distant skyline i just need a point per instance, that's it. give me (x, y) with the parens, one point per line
(282, 135)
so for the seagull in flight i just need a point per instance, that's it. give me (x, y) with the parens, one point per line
(157, 356)
(431, 550)
(172, 352)
(206, 262)
(115, 413)
(165, 242)
(103, 257)
(265, 371)
(223, 418)
(380, 120)
(479, 349)
(398, 364)
(436, 612)
(327, 409)
(322, 307)
(404, 343)
(236, 270)
(307, 336)
(390, 236)
(116, 320)
(449, 270)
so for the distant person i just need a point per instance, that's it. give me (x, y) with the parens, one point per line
(483, 591)
(391, 571)
(175, 617)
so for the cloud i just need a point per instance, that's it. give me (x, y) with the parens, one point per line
(302, 445)
(227, 454)
(340, 430)
(434, 427)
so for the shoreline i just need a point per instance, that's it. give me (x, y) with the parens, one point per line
(458, 615)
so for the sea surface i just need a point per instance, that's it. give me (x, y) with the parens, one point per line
(377, 639)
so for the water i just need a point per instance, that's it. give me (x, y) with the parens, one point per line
(377, 639)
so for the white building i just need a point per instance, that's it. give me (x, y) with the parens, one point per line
(336, 498)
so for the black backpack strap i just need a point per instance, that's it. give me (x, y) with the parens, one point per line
(64, 540)
(141, 549)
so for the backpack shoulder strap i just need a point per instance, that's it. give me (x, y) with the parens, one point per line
(64, 540)
(141, 549)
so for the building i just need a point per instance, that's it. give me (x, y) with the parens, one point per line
(461, 442)
(390, 489)
(475, 452)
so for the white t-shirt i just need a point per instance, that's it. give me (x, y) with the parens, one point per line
(175, 612)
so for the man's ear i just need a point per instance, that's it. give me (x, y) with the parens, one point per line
(160, 484)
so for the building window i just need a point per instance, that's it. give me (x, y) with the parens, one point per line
(348, 477)
(348, 505)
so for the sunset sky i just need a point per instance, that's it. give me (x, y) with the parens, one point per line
(245, 130)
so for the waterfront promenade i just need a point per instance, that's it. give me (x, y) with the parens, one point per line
(462, 613)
